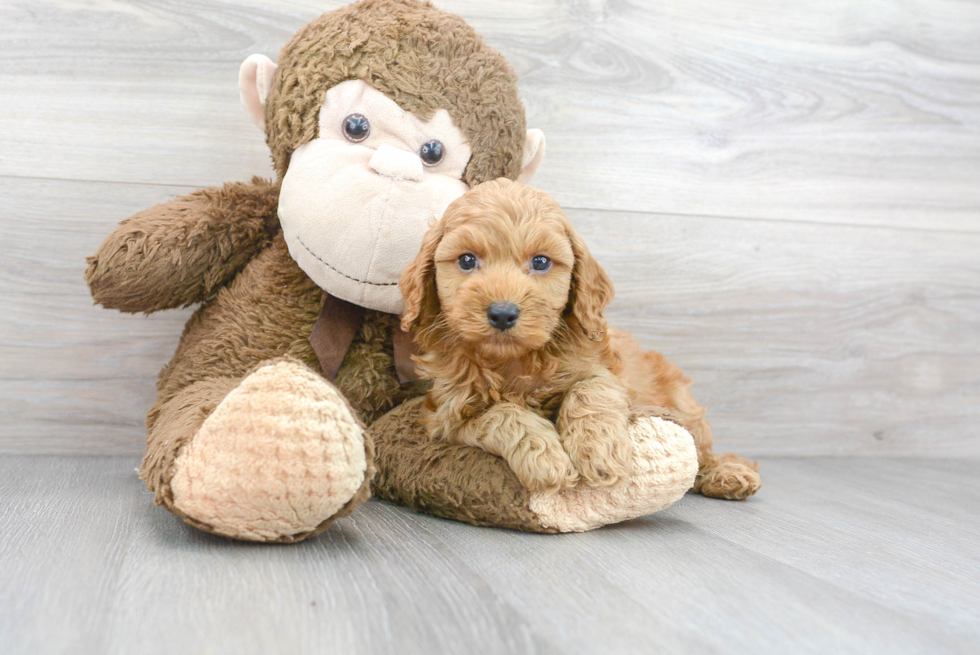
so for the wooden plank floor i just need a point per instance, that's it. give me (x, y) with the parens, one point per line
(834, 556)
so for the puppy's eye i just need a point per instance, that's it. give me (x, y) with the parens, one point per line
(356, 128)
(432, 153)
(466, 262)
(540, 263)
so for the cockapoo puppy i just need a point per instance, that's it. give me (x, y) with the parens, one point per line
(507, 303)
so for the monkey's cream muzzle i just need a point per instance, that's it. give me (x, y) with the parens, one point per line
(389, 161)
(354, 213)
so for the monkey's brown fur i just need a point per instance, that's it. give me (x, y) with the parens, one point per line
(553, 394)
(446, 65)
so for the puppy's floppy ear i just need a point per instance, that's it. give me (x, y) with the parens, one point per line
(418, 282)
(591, 290)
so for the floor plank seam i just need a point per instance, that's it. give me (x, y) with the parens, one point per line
(40, 178)
(780, 221)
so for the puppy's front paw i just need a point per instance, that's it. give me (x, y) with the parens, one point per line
(600, 449)
(542, 465)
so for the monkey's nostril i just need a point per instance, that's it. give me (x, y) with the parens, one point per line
(503, 315)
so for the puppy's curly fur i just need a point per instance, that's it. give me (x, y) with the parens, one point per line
(553, 391)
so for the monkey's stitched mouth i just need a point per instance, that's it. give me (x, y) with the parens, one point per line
(340, 272)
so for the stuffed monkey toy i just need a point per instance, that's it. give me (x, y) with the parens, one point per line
(290, 396)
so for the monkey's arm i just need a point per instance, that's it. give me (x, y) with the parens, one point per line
(181, 252)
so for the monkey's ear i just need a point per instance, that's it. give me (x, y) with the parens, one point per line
(254, 81)
(533, 154)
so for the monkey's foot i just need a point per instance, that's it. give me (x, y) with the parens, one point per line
(728, 476)
(662, 470)
(280, 457)
(469, 484)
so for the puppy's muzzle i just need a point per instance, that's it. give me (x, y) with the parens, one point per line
(503, 315)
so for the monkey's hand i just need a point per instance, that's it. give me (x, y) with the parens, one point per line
(181, 252)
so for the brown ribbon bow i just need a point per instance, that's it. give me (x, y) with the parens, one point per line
(335, 330)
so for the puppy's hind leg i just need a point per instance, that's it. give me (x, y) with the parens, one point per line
(725, 476)
(660, 383)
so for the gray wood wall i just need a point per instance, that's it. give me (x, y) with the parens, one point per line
(787, 195)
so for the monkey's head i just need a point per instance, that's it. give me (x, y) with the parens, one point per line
(378, 115)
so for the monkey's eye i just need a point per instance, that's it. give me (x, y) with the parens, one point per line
(540, 263)
(466, 262)
(356, 128)
(431, 153)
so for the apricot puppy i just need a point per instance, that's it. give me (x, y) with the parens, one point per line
(507, 302)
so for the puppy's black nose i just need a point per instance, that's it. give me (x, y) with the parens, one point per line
(503, 315)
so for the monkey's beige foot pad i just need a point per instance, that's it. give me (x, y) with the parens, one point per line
(665, 463)
(280, 455)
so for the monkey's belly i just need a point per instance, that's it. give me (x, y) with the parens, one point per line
(268, 311)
